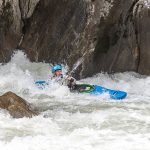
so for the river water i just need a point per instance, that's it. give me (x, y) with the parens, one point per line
(74, 121)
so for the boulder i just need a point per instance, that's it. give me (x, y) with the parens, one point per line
(16, 106)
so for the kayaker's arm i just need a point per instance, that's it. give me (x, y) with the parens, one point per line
(71, 82)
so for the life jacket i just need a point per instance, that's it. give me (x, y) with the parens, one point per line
(62, 80)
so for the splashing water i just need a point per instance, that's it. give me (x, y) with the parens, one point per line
(74, 121)
(80, 60)
(144, 3)
(147, 3)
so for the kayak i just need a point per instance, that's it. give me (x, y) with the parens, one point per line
(91, 89)
(41, 84)
(97, 90)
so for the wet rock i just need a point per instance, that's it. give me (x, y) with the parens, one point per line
(27, 7)
(9, 28)
(122, 41)
(12, 20)
(16, 106)
(117, 48)
(143, 36)
(106, 32)
(112, 35)
(54, 30)
(62, 31)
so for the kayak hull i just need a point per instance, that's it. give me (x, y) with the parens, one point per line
(114, 94)
(94, 90)
(41, 84)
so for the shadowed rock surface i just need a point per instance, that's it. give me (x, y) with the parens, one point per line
(16, 106)
(113, 34)
(13, 16)
(117, 48)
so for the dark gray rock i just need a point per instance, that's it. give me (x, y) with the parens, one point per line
(143, 33)
(13, 15)
(9, 29)
(54, 30)
(62, 31)
(113, 35)
(117, 48)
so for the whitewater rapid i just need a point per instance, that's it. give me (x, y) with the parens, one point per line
(74, 121)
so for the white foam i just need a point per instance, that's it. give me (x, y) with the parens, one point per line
(74, 121)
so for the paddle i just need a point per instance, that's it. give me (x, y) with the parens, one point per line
(79, 62)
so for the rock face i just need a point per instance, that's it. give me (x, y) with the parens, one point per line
(117, 48)
(64, 31)
(9, 28)
(16, 106)
(13, 14)
(122, 44)
(55, 33)
(143, 36)
(113, 35)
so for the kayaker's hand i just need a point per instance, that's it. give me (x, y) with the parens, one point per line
(68, 77)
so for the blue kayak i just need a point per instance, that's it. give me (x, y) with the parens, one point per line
(114, 94)
(91, 89)
(41, 84)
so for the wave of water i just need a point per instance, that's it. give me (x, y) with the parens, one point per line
(74, 121)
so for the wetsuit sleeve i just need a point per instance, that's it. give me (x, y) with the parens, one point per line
(71, 82)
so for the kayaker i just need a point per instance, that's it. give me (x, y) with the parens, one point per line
(62, 79)
(68, 80)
